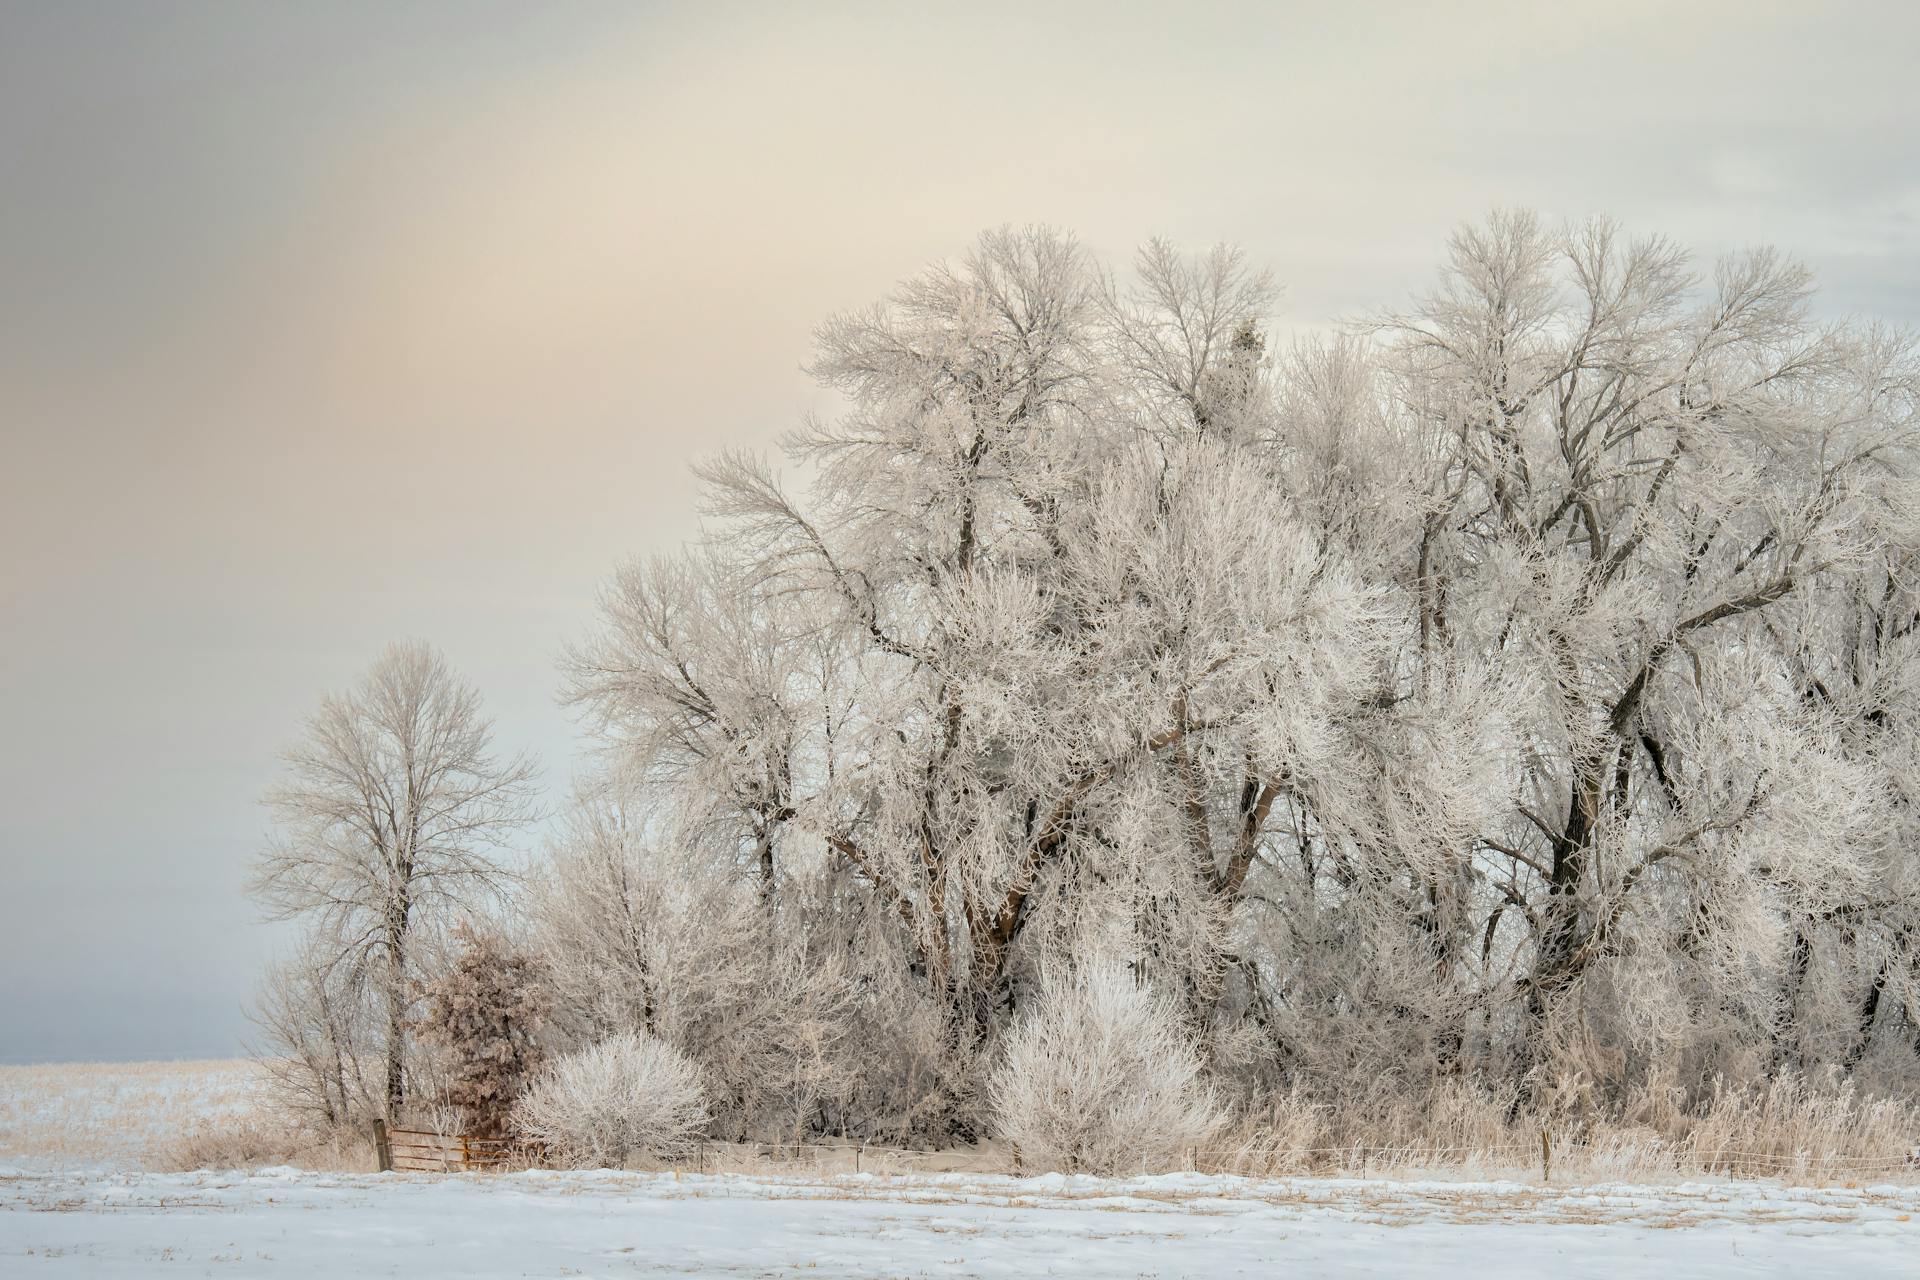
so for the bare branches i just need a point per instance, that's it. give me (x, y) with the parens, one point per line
(1189, 328)
(390, 816)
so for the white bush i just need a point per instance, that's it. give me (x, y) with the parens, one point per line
(630, 1095)
(1101, 1078)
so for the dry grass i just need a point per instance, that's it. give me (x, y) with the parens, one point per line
(258, 1142)
(192, 1115)
(1791, 1128)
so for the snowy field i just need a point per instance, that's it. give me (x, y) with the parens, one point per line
(75, 1201)
(293, 1224)
(114, 1114)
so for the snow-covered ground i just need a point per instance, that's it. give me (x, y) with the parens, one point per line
(72, 1203)
(289, 1223)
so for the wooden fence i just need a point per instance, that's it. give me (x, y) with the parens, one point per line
(424, 1151)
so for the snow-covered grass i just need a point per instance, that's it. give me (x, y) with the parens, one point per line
(116, 1114)
(78, 1197)
(282, 1222)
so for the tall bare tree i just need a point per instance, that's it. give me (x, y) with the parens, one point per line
(391, 815)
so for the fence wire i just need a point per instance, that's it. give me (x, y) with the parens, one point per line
(1545, 1155)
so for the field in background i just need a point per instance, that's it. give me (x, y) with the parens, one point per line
(116, 1115)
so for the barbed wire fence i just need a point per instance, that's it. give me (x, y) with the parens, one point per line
(1550, 1155)
(1546, 1157)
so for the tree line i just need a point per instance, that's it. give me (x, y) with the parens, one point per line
(1516, 689)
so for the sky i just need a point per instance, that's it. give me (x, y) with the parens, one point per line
(327, 325)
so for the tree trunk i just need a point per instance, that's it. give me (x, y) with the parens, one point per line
(396, 1010)
(1784, 1053)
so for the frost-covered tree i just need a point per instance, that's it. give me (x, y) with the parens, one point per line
(390, 815)
(1513, 686)
(637, 938)
(1633, 483)
(1848, 993)
(1032, 664)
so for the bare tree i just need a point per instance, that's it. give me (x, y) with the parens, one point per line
(313, 1018)
(391, 814)
(637, 937)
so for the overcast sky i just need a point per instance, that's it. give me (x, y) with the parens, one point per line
(325, 325)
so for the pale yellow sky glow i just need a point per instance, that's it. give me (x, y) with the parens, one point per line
(324, 326)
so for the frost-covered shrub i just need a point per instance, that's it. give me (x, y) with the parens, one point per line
(630, 1095)
(654, 938)
(1101, 1078)
(486, 1013)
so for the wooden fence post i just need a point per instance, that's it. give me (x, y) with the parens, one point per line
(382, 1147)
